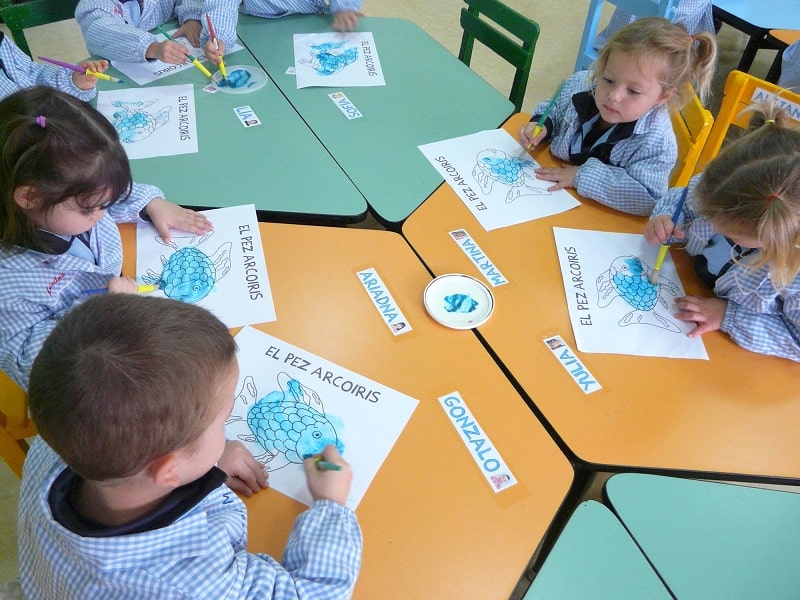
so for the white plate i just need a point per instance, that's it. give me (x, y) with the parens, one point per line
(256, 80)
(458, 301)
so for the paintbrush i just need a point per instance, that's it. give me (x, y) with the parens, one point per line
(548, 109)
(213, 35)
(82, 70)
(662, 251)
(192, 59)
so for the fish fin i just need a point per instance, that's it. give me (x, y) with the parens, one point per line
(248, 390)
(605, 290)
(648, 317)
(222, 260)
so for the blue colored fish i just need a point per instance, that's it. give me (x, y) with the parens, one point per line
(189, 274)
(461, 303)
(494, 165)
(289, 423)
(629, 278)
(133, 123)
(328, 58)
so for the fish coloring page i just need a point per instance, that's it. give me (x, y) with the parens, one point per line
(613, 306)
(290, 404)
(156, 121)
(223, 270)
(496, 179)
(337, 60)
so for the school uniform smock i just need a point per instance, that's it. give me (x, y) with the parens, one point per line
(628, 166)
(39, 288)
(119, 29)
(758, 317)
(18, 71)
(695, 15)
(224, 13)
(192, 546)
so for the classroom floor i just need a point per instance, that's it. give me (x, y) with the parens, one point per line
(561, 23)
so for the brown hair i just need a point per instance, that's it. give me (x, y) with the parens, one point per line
(753, 188)
(125, 379)
(666, 46)
(61, 147)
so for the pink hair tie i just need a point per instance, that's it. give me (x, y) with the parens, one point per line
(694, 39)
(41, 121)
(772, 197)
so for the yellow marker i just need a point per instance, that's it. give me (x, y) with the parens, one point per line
(662, 251)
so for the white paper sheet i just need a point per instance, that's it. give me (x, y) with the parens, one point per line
(337, 60)
(157, 121)
(499, 187)
(147, 72)
(612, 305)
(319, 403)
(223, 271)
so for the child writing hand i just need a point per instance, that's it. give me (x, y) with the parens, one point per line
(65, 183)
(120, 495)
(611, 124)
(741, 221)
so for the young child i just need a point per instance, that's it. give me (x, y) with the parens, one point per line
(741, 221)
(17, 71)
(119, 29)
(612, 123)
(120, 497)
(224, 17)
(65, 182)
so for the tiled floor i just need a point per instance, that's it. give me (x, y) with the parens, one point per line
(561, 23)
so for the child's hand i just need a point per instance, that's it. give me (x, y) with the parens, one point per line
(245, 474)
(211, 52)
(706, 313)
(563, 176)
(328, 485)
(659, 229)
(190, 29)
(87, 82)
(346, 20)
(122, 285)
(165, 216)
(526, 135)
(168, 52)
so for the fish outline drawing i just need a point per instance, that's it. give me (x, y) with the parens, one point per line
(493, 165)
(133, 123)
(288, 423)
(328, 58)
(628, 277)
(189, 274)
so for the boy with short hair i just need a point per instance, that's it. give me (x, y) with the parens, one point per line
(120, 497)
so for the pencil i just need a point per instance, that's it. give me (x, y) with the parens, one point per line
(142, 289)
(213, 35)
(662, 251)
(81, 70)
(548, 109)
(192, 59)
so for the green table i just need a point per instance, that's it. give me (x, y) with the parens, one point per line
(429, 96)
(279, 166)
(712, 540)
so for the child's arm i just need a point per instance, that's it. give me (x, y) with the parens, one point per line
(190, 14)
(346, 20)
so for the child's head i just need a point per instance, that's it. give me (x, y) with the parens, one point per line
(61, 164)
(751, 193)
(125, 380)
(651, 61)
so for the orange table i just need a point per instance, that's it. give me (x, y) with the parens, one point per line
(432, 526)
(735, 414)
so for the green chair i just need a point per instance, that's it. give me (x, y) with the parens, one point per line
(33, 13)
(519, 54)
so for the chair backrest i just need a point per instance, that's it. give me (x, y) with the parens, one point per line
(742, 90)
(33, 13)
(691, 124)
(518, 53)
(15, 425)
(640, 8)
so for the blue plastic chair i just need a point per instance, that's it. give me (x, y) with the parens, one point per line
(641, 8)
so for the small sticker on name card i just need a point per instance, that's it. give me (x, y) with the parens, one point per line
(566, 356)
(246, 116)
(491, 464)
(344, 104)
(384, 303)
(473, 252)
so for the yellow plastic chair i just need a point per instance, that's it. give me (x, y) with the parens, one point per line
(742, 90)
(518, 53)
(691, 124)
(15, 425)
(781, 39)
(33, 13)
